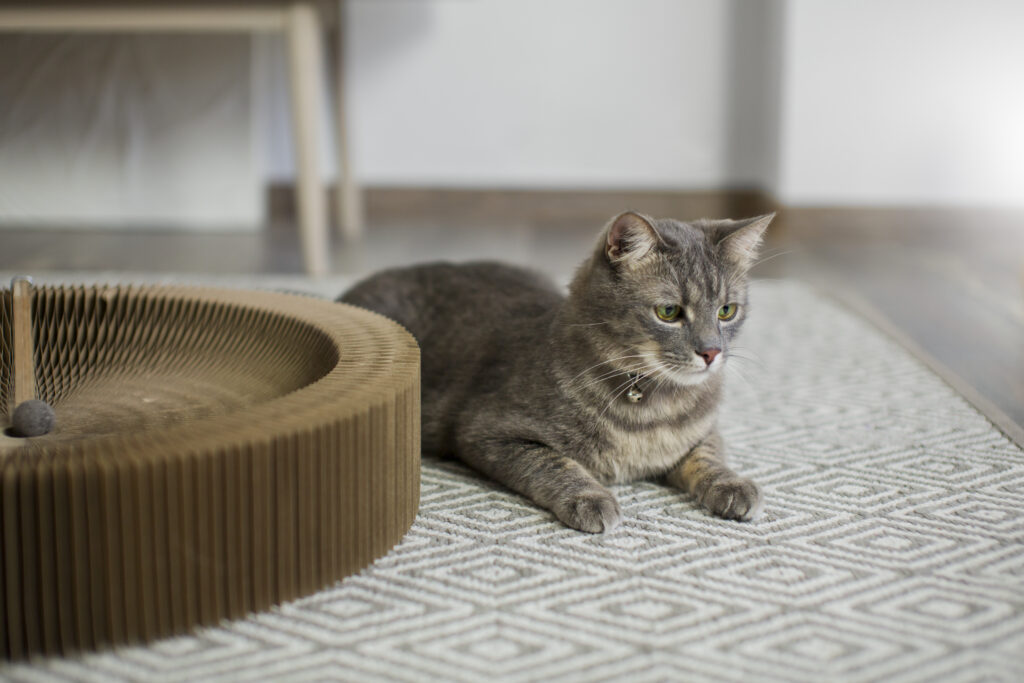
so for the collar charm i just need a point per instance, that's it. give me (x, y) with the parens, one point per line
(635, 394)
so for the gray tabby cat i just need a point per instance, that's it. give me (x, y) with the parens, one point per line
(556, 396)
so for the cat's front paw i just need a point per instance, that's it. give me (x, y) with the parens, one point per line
(732, 498)
(594, 511)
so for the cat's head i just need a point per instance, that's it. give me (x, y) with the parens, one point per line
(666, 296)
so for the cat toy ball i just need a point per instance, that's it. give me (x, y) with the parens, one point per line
(33, 418)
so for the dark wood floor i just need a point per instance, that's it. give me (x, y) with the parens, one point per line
(948, 284)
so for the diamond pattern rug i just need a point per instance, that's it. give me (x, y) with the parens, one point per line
(891, 548)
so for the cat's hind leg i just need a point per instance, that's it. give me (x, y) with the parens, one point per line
(546, 477)
(703, 473)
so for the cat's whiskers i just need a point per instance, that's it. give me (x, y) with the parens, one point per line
(740, 347)
(667, 372)
(735, 371)
(746, 354)
(617, 371)
(610, 375)
(740, 353)
(675, 366)
(746, 359)
(605, 362)
(659, 368)
(769, 257)
(605, 322)
(582, 382)
(645, 370)
(662, 375)
(618, 393)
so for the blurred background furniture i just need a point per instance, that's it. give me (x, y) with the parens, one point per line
(302, 24)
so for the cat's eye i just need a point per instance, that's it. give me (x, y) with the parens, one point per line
(728, 311)
(669, 312)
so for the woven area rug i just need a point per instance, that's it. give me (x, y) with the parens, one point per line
(891, 548)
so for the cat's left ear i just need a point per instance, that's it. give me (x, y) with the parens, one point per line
(737, 241)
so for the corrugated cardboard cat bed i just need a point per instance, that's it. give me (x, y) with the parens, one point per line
(215, 453)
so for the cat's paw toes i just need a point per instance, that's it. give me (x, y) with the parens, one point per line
(733, 498)
(593, 511)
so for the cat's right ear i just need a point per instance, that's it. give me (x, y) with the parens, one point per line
(630, 237)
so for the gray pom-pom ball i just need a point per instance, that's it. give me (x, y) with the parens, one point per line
(33, 418)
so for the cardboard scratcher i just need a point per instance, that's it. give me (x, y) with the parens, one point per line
(215, 453)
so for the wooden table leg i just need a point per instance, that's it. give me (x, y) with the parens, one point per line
(307, 78)
(348, 198)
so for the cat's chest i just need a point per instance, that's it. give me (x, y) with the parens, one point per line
(628, 454)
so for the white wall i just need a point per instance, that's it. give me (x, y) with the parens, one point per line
(564, 93)
(903, 102)
(841, 102)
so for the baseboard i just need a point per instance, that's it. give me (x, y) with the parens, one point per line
(549, 207)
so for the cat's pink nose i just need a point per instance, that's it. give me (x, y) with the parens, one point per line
(709, 355)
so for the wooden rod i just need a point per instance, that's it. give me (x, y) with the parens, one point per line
(21, 331)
